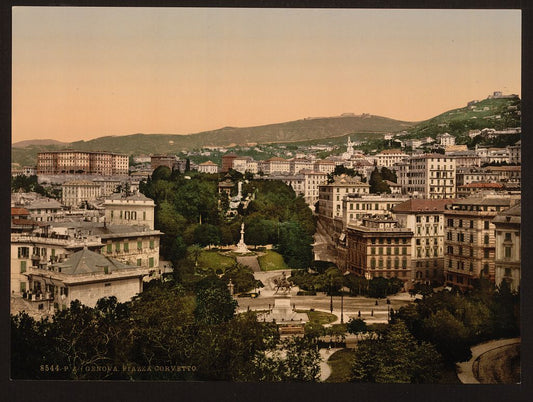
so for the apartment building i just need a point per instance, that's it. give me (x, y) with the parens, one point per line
(425, 218)
(379, 246)
(508, 247)
(431, 176)
(470, 241)
(330, 196)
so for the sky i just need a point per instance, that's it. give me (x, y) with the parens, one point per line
(82, 73)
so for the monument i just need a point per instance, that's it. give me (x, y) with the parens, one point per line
(241, 246)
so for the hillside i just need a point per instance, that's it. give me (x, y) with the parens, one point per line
(299, 130)
(27, 143)
(495, 113)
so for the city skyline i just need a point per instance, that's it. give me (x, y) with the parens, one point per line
(119, 71)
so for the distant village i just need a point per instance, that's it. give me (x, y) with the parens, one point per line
(447, 215)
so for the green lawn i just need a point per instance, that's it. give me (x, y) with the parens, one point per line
(340, 363)
(319, 317)
(272, 261)
(214, 260)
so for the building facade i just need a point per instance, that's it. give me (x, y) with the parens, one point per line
(431, 176)
(508, 247)
(470, 242)
(81, 162)
(76, 192)
(425, 218)
(379, 247)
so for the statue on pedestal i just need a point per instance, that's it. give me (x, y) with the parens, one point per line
(241, 246)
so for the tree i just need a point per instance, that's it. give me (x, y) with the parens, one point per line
(207, 235)
(396, 357)
(295, 245)
(214, 303)
(388, 174)
(194, 252)
(356, 326)
(299, 361)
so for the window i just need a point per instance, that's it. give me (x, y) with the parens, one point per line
(109, 247)
(373, 250)
(138, 262)
(380, 250)
(396, 250)
(117, 247)
(133, 215)
(22, 287)
(450, 223)
(151, 244)
(418, 219)
(507, 272)
(22, 267)
(139, 245)
(111, 214)
(388, 251)
(487, 225)
(486, 253)
(471, 224)
(507, 236)
(486, 239)
(436, 218)
(107, 284)
(418, 242)
(396, 263)
(460, 223)
(380, 263)
(373, 263)
(23, 252)
(106, 269)
(126, 246)
(151, 262)
(404, 250)
(507, 251)
(144, 215)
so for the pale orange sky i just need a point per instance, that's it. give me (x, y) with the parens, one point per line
(82, 73)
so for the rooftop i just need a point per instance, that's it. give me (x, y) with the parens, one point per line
(88, 262)
(423, 205)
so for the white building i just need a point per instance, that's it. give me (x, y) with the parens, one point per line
(389, 157)
(324, 166)
(136, 209)
(446, 139)
(208, 167)
(355, 206)
(330, 202)
(431, 176)
(76, 192)
(508, 247)
(425, 218)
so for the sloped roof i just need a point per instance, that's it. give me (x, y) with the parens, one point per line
(46, 203)
(88, 262)
(19, 211)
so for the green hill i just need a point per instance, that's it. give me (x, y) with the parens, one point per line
(299, 130)
(498, 113)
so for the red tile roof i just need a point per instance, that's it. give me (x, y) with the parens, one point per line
(19, 211)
